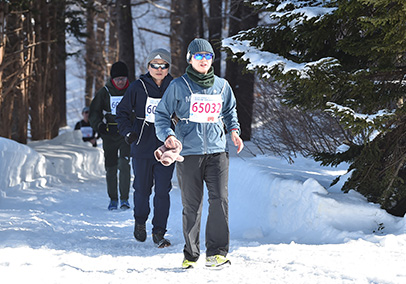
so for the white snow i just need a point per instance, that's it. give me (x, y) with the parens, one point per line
(287, 225)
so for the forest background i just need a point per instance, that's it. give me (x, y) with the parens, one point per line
(34, 37)
(321, 78)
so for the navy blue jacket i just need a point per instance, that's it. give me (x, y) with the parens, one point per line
(131, 115)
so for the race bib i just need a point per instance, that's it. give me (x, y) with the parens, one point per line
(87, 131)
(205, 108)
(114, 101)
(150, 107)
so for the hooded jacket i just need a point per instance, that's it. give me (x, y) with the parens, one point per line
(196, 138)
(133, 106)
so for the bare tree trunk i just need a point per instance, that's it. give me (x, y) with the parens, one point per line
(16, 45)
(125, 36)
(112, 51)
(27, 76)
(186, 24)
(242, 18)
(61, 61)
(215, 28)
(19, 120)
(11, 71)
(44, 102)
(37, 94)
(53, 97)
(100, 60)
(3, 12)
(90, 52)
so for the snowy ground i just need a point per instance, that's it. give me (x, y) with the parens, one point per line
(286, 225)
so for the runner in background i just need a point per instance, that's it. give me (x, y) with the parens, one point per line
(102, 118)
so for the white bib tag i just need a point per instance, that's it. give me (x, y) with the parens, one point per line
(87, 131)
(205, 108)
(114, 101)
(150, 107)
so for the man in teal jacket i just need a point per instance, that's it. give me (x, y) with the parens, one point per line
(204, 104)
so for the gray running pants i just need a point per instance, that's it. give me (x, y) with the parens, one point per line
(192, 172)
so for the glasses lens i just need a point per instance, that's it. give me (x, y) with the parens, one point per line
(199, 56)
(120, 79)
(157, 66)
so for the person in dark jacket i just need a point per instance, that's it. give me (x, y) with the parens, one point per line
(140, 101)
(88, 133)
(205, 105)
(116, 151)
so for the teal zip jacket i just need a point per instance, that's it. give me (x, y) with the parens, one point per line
(196, 138)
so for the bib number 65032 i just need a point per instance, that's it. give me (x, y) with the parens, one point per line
(205, 108)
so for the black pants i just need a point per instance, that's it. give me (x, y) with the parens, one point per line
(192, 172)
(149, 173)
(117, 159)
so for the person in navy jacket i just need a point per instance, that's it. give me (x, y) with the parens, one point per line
(135, 118)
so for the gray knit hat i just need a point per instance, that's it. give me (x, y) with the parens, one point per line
(198, 45)
(159, 53)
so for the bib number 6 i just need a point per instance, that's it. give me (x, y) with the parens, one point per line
(151, 109)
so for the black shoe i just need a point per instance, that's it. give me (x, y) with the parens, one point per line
(140, 233)
(160, 241)
(124, 205)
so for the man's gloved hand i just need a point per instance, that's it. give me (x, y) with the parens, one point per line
(102, 128)
(130, 137)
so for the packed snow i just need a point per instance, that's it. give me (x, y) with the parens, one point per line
(287, 225)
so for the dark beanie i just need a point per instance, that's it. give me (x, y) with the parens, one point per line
(198, 45)
(118, 69)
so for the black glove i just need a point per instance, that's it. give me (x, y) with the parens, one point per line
(130, 137)
(102, 128)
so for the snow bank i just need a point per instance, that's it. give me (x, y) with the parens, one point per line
(19, 163)
(276, 209)
(69, 159)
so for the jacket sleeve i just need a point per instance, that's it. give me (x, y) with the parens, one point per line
(124, 111)
(229, 111)
(77, 126)
(96, 110)
(163, 113)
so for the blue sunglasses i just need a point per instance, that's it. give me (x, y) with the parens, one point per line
(199, 56)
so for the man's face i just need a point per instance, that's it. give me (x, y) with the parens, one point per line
(200, 62)
(120, 82)
(158, 68)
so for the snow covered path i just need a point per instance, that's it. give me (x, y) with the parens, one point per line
(56, 229)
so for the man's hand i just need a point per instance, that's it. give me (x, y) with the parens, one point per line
(237, 141)
(102, 128)
(170, 142)
(130, 137)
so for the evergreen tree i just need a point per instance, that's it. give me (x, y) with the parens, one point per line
(346, 57)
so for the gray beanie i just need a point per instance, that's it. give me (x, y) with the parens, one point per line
(159, 53)
(198, 45)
